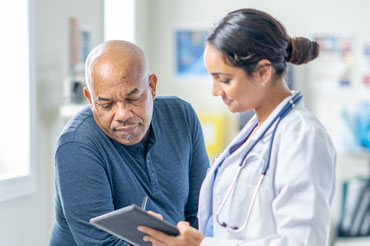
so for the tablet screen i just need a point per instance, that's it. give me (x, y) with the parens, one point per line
(123, 223)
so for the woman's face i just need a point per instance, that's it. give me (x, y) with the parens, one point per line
(239, 92)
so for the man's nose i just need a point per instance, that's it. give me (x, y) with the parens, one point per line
(123, 112)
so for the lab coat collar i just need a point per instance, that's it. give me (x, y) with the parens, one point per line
(260, 130)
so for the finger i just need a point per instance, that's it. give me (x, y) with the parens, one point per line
(189, 233)
(159, 216)
(183, 225)
(157, 235)
(154, 241)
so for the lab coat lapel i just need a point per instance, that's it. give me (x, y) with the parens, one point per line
(206, 192)
(207, 186)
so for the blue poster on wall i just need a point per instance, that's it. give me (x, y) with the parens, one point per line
(355, 132)
(189, 52)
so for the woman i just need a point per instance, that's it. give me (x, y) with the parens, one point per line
(247, 55)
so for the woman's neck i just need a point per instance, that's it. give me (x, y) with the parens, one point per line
(274, 96)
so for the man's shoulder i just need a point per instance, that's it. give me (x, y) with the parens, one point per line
(80, 128)
(160, 100)
(171, 110)
(172, 104)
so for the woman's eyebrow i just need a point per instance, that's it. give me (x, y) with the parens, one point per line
(218, 73)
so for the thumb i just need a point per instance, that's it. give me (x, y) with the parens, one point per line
(183, 225)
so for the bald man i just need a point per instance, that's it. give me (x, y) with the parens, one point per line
(127, 144)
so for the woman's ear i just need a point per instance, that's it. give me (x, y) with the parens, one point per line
(263, 72)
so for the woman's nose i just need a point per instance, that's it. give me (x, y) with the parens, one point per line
(216, 90)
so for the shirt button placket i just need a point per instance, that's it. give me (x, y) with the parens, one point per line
(152, 174)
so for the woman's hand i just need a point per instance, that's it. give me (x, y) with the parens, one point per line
(159, 216)
(188, 236)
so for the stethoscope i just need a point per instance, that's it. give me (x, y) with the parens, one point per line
(286, 109)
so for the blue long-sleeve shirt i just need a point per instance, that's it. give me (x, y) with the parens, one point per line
(95, 174)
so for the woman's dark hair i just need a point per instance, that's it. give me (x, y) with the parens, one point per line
(246, 36)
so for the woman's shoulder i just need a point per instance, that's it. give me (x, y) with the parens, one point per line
(301, 118)
(301, 126)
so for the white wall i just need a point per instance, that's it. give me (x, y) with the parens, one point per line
(28, 220)
(143, 18)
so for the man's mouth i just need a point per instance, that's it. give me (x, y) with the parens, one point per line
(126, 129)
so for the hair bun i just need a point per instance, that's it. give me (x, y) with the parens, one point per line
(302, 50)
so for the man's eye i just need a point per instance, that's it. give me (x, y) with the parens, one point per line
(131, 100)
(106, 106)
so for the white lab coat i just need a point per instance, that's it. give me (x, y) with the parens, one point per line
(294, 201)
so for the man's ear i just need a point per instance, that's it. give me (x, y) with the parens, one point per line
(153, 84)
(263, 72)
(88, 96)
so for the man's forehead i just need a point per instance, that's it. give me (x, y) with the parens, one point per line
(117, 92)
(108, 75)
(116, 61)
(105, 66)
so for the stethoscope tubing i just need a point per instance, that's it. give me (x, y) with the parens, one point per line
(286, 109)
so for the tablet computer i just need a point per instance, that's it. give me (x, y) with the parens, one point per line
(123, 223)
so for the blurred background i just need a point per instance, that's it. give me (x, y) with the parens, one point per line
(45, 42)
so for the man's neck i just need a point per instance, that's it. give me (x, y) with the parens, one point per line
(145, 139)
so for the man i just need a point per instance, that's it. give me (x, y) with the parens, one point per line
(124, 146)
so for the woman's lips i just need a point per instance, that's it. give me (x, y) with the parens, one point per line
(227, 101)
